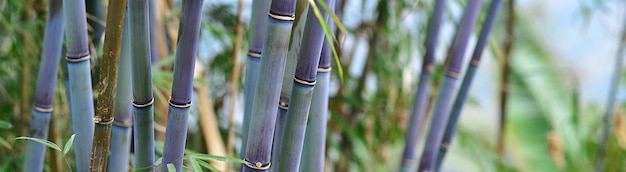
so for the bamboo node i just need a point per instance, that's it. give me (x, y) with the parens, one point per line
(303, 82)
(279, 17)
(319, 69)
(283, 105)
(76, 60)
(444, 146)
(452, 74)
(257, 165)
(179, 105)
(254, 54)
(142, 105)
(121, 123)
(475, 62)
(430, 68)
(41, 109)
(103, 121)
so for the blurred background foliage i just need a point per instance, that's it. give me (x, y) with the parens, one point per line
(553, 124)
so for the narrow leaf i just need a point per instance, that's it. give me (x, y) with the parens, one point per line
(157, 163)
(328, 33)
(45, 142)
(5, 125)
(219, 158)
(207, 165)
(68, 144)
(171, 168)
(5, 144)
(194, 163)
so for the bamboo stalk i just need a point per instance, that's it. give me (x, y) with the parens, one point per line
(81, 98)
(461, 96)
(301, 94)
(256, 36)
(315, 137)
(504, 77)
(44, 93)
(613, 90)
(267, 93)
(235, 80)
(122, 125)
(182, 86)
(444, 101)
(108, 85)
(143, 107)
(295, 40)
(420, 100)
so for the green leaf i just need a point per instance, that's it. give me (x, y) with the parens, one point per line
(329, 34)
(194, 163)
(5, 144)
(171, 168)
(157, 163)
(68, 144)
(207, 165)
(42, 141)
(219, 158)
(5, 125)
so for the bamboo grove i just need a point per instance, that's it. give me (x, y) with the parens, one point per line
(135, 97)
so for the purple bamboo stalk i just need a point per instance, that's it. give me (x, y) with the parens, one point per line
(81, 94)
(420, 101)
(444, 101)
(262, 122)
(180, 102)
(290, 69)
(46, 79)
(256, 37)
(302, 92)
(461, 96)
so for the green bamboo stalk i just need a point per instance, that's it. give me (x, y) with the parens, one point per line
(121, 131)
(315, 137)
(81, 98)
(182, 86)
(279, 23)
(107, 86)
(301, 94)
(44, 93)
(444, 101)
(256, 36)
(610, 109)
(504, 78)
(143, 107)
(461, 96)
(295, 39)
(420, 100)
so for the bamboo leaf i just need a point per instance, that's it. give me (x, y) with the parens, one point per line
(194, 163)
(68, 144)
(219, 158)
(171, 168)
(156, 163)
(5, 144)
(45, 142)
(207, 165)
(328, 33)
(5, 125)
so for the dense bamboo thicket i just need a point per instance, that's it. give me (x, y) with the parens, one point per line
(295, 40)
(420, 100)
(444, 101)
(461, 96)
(272, 66)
